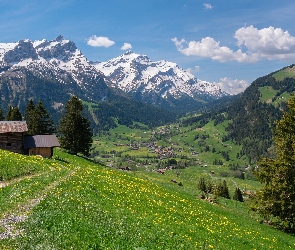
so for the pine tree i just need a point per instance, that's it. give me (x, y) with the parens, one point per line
(74, 129)
(277, 198)
(238, 195)
(9, 114)
(1, 115)
(221, 189)
(13, 114)
(30, 117)
(38, 119)
(202, 185)
(45, 124)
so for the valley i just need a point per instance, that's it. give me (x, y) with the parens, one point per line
(169, 155)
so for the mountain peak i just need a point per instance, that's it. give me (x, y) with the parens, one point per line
(129, 52)
(59, 38)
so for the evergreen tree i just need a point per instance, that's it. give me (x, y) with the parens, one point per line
(1, 115)
(74, 129)
(202, 185)
(225, 192)
(276, 200)
(30, 117)
(38, 119)
(45, 124)
(221, 189)
(9, 114)
(13, 114)
(238, 195)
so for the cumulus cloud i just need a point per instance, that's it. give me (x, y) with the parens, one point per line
(208, 47)
(126, 46)
(254, 45)
(231, 86)
(270, 43)
(208, 6)
(100, 41)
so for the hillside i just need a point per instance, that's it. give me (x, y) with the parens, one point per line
(252, 115)
(92, 207)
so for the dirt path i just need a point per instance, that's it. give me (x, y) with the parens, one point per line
(9, 222)
(7, 183)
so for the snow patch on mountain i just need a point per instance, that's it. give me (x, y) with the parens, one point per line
(42, 55)
(58, 59)
(133, 72)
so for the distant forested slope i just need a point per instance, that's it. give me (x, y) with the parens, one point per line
(253, 114)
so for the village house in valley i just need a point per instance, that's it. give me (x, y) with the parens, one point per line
(13, 138)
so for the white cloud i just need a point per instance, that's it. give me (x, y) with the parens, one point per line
(268, 43)
(208, 47)
(100, 41)
(126, 46)
(208, 6)
(194, 70)
(231, 86)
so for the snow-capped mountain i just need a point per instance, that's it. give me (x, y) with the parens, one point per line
(52, 71)
(134, 73)
(58, 61)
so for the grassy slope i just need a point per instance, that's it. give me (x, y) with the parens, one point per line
(268, 93)
(71, 203)
(287, 72)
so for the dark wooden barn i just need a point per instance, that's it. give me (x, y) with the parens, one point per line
(40, 145)
(12, 135)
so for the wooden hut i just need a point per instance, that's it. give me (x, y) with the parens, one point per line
(12, 135)
(40, 145)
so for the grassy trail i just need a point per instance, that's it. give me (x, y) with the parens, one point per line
(20, 209)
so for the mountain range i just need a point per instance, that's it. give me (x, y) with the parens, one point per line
(133, 90)
(54, 70)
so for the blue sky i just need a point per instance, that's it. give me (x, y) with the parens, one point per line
(230, 43)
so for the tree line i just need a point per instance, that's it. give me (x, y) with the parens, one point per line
(74, 131)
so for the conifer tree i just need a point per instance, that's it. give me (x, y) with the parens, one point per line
(8, 114)
(38, 119)
(221, 189)
(276, 200)
(74, 129)
(202, 185)
(45, 124)
(238, 195)
(13, 114)
(1, 115)
(30, 117)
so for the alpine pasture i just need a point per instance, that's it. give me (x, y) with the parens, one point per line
(69, 202)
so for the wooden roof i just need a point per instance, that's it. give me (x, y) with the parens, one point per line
(13, 126)
(41, 141)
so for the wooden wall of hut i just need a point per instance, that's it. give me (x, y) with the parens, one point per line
(44, 152)
(12, 142)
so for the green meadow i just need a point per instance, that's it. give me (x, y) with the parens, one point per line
(282, 74)
(69, 202)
